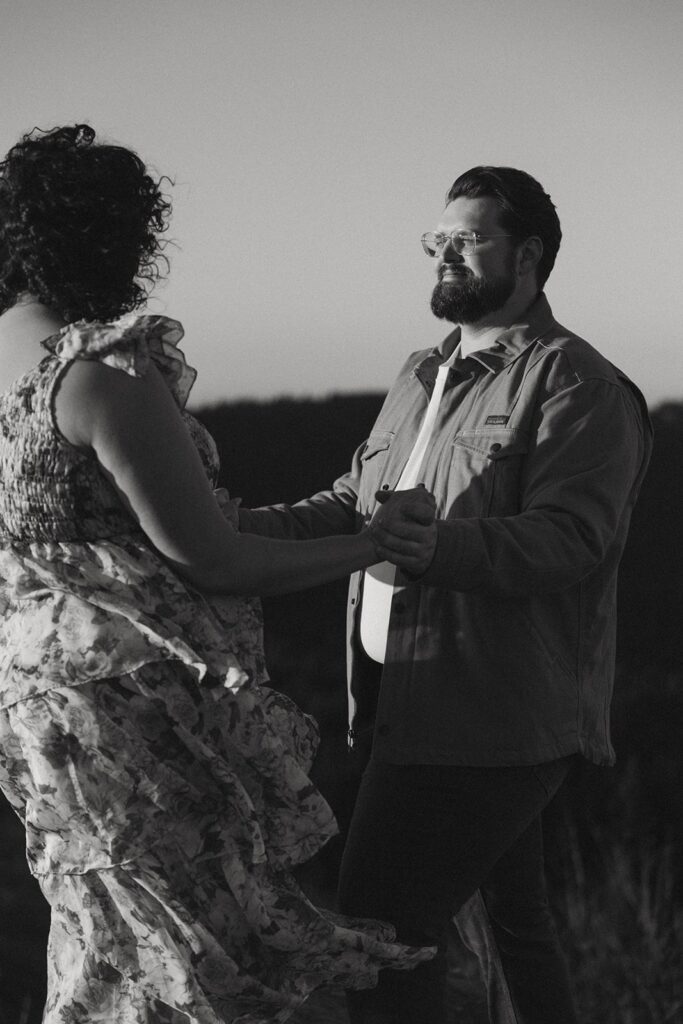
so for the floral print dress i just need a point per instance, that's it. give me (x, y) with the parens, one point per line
(163, 786)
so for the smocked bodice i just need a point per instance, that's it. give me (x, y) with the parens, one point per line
(52, 491)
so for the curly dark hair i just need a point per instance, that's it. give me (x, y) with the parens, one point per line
(525, 208)
(79, 225)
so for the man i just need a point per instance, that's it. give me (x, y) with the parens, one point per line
(493, 666)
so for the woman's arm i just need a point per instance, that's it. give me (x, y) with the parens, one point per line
(137, 434)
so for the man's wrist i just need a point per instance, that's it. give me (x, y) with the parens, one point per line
(425, 564)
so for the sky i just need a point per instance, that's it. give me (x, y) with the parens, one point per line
(311, 142)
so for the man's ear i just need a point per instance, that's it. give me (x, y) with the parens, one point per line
(529, 254)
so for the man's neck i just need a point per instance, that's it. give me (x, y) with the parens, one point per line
(484, 332)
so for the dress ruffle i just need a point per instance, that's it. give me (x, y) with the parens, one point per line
(142, 759)
(75, 612)
(130, 344)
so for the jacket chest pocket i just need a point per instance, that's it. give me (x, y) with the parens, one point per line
(488, 467)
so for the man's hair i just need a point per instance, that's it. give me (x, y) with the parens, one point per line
(525, 209)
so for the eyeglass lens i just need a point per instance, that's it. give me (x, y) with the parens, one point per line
(462, 241)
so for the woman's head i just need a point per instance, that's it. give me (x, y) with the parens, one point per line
(79, 225)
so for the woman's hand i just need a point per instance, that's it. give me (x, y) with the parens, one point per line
(403, 529)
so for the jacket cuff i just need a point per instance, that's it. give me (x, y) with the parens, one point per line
(448, 556)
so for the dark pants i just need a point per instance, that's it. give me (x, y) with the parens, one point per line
(426, 841)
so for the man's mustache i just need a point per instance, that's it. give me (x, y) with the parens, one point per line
(453, 268)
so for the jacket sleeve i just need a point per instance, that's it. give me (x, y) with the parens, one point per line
(578, 485)
(328, 512)
(323, 514)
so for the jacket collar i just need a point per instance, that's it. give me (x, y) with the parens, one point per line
(512, 341)
(536, 321)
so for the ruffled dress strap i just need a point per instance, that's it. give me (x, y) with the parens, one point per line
(130, 343)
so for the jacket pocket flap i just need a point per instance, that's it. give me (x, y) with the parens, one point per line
(495, 442)
(378, 441)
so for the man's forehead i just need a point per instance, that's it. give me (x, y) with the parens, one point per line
(480, 213)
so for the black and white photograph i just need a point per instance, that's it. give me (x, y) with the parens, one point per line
(341, 478)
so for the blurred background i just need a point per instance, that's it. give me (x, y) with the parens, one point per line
(308, 144)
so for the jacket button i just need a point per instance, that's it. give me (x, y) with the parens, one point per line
(385, 487)
(495, 447)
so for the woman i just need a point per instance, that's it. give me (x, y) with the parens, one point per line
(162, 786)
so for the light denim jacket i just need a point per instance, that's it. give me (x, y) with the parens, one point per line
(503, 652)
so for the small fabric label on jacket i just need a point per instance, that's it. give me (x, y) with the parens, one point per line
(496, 421)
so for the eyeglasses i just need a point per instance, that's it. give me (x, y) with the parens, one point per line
(464, 242)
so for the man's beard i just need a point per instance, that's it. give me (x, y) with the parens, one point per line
(471, 299)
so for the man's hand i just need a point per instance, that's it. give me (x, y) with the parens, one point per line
(228, 506)
(403, 529)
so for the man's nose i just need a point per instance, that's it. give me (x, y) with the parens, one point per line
(449, 253)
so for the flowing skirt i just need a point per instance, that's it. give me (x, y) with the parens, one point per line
(163, 819)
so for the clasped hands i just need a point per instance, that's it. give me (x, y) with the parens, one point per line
(403, 529)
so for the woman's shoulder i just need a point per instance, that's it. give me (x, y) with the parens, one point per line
(130, 344)
(92, 405)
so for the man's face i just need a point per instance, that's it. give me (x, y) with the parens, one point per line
(470, 287)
